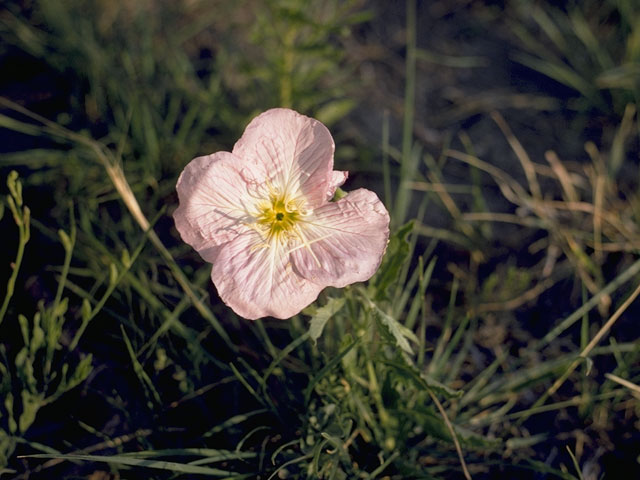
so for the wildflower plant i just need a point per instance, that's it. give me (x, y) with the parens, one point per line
(393, 363)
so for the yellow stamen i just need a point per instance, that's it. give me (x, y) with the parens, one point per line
(277, 217)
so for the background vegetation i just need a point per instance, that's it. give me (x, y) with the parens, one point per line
(499, 337)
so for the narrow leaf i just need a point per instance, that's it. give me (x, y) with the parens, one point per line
(141, 462)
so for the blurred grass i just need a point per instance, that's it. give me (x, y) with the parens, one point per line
(425, 372)
(592, 47)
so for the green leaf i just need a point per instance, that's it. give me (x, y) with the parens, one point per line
(330, 365)
(26, 216)
(86, 310)
(24, 369)
(209, 455)
(144, 462)
(423, 380)
(81, 372)
(398, 331)
(322, 316)
(433, 424)
(139, 370)
(339, 194)
(37, 335)
(8, 405)
(61, 308)
(24, 328)
(395, 329)
(7, 446)
(397, 254)
(334, 110)
(14, 211)
(15, 187)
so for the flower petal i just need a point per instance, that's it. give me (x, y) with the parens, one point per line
(257, 280)
(344, 241)
(336, 180)
(296, 153)
(215, 201)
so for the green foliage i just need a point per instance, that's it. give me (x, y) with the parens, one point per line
(322, 315)
(38, 374)
(161, 124)
(396, 256)
(151, 463)
(607, 35)
(387, 380)
(505, 283)
(21, 216)
(295, 57)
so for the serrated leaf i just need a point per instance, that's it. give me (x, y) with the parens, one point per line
(322, 316)
(440, 388)
(398, 331)
(423, 380)
(395, 257)
(434, 425)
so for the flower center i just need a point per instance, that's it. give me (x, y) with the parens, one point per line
(277, 217)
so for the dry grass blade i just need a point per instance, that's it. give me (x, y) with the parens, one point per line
(442, 411)
(635, 389)
(509, 187)
(563, 176)
(521, 153)
(586, 350)
(528, 296)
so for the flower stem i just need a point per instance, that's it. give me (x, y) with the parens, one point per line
(23, 227)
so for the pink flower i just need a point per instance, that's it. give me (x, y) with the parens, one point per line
(262, 216)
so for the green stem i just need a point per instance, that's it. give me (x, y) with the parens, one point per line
(286, 82)
(22, 242)
(404, 193)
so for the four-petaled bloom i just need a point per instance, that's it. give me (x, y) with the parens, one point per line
(262, 216)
